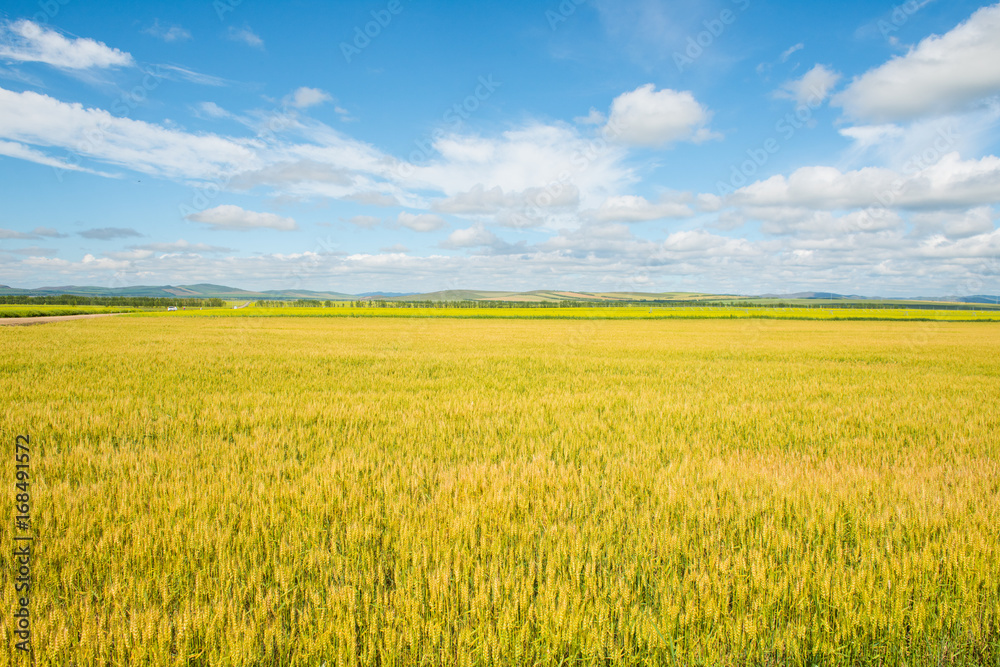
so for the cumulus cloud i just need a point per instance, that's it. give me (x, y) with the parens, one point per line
(956, 224)
(424, 222)
(234, 218)
(813, 88)
(212, 110)
(304, 98)
(470, 237)
(631, 208)
(950, 182)
(482, 201)
(26, 41)
(648, 117)
(941, 74)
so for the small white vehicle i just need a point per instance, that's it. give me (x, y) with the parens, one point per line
(169, 308)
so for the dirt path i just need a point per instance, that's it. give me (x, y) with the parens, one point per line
(15, 321)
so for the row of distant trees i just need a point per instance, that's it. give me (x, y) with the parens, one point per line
(126, 301)
(158, 302)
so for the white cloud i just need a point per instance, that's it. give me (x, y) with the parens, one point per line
(536, 169)
(213, 110)
(787, 53)
(950, 182)
(956, 225)
(130, 255)
(812, 88)
(229, 217)
(424, 222)
(174, 33)
(480, 201)
(595, 117)
(245, 35)
(30, 118)
(631, 208)
(866, 136)
(647, 117)
(180, 246)
(941, 74)
(26, 41)
(471, 237)
(22, 152)
(304, 97)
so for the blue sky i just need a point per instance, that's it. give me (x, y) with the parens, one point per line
(736, 146)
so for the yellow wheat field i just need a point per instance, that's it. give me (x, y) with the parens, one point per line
(290, 491)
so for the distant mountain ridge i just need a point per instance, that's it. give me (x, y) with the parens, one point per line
(199, 291)
(210, 291)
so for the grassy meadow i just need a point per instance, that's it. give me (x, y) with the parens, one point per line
(444, 491)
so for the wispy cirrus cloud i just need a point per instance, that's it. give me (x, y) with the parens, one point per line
(246, 36)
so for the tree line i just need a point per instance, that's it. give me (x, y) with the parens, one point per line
(127, 301)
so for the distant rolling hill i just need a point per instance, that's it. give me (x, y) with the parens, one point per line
(210, 291)
(199, 291)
